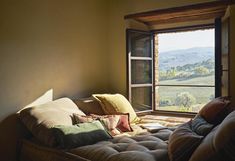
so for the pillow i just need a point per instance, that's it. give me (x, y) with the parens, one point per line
(182, 143)
(71, 136)
(224, 140)
(89, 106)
(115, 104)
(115, 124)
(201, 126)
(215, 111)
(219, 144)
(39, 119)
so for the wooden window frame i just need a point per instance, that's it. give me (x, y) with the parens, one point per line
(211, 11)
(218, 66)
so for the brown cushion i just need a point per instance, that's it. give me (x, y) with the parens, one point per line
(218, 145)
(225, 137)
(89, 106)
(39, 119)
(216, 110)
(183, 142)
(206, 151)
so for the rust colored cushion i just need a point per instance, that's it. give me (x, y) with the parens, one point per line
(216, 110)
(89, 106)
(183, 142)
(115, 124)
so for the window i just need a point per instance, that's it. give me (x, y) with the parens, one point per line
(181, 82)
(185, 67)
(172, 76)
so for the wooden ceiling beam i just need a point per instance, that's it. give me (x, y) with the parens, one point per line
(184, 18)
(184, 13)
(201, 11)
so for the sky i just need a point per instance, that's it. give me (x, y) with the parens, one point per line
(185, 40)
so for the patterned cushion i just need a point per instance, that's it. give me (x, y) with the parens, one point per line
(115, 124)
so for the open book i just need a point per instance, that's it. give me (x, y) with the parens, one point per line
(152, 127)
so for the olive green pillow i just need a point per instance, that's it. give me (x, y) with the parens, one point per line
(115, 104)
(79, 134)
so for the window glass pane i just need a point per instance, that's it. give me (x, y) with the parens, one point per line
(140, 44)
(183, 99)
(142, 98)
(141, 71)
(186, 58)
(200, 80)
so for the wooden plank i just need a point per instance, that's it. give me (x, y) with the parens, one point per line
(189, 12)
(201, 11)
(185, 18)
(199, 6)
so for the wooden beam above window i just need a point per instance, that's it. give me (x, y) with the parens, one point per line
(201, 11)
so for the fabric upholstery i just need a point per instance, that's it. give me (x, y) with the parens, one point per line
(225, 138)
(70, 136)
(148, 147)
(216, 110)
(219, 144)
(39, 119)
(89, 106)
(183, 142)
(201, 126)
(115, 104)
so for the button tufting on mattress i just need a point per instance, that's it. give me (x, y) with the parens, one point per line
(151, 147)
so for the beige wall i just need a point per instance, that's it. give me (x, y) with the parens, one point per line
(74, 47)
(48, 44)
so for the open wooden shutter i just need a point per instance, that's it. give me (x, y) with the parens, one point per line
(222, 57)
(140, 56)
(225, 54)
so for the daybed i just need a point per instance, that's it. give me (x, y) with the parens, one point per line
(208, 137)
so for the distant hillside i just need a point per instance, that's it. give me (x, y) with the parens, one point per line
(176, 58)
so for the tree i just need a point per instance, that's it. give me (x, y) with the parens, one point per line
(201, 70)
(185, 99)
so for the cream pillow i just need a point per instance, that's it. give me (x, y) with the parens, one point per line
(41, 118)
(116, 104)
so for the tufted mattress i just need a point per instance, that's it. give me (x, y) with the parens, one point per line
(145, 147)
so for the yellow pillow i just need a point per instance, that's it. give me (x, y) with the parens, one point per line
(116, 104)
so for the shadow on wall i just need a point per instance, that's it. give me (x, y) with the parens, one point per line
(12, 130)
